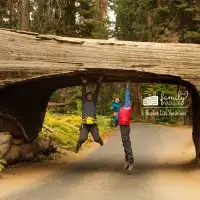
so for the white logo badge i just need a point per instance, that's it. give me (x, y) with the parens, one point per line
(150, 101)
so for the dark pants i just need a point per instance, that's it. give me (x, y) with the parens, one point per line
(125, 135)
(85, 130)
(115, 119)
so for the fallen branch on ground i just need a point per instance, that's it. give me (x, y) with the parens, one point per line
(48, 128)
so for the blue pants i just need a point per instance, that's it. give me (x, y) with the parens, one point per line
(115, 118)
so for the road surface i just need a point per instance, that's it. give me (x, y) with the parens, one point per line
(162, 171)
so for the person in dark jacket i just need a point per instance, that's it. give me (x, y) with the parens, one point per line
(89, 123)
(124, 123)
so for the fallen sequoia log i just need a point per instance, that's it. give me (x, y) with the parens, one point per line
(29, 55)
(32, 66)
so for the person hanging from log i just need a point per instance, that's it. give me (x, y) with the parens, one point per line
(89, 122)
(124, 123)
(116, 106)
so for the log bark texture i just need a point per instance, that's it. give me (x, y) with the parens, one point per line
(29, 55)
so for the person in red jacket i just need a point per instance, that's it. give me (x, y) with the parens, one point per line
(124, 123)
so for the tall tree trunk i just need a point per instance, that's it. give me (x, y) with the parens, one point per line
(10, 8)
(196, 124)
(158, 3)
(149, 23)
(178, 89)
(11, 17)
(25, 13)
(188, 117)
(19, 15)
(102, 8)
(69, 17)
(136, 96)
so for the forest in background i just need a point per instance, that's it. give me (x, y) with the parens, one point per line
(136, 20)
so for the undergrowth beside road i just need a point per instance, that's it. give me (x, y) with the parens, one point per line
(2, 163)
(64, 129)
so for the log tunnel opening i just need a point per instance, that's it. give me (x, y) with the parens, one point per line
(23, 104)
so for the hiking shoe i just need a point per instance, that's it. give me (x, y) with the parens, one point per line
(126, 166)
(101, 142)
(77, 149)
(130, 168)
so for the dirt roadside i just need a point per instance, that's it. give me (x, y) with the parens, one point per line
(22, 175)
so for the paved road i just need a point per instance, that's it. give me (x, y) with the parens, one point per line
(161, 171)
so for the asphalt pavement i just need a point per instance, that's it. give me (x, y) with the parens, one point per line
(162, 171)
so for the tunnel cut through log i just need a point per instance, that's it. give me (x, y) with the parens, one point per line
(27, 101)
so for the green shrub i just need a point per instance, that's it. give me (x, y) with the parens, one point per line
(66, 128)
(2, 164)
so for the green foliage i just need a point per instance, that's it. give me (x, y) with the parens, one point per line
(3, 14)
(68, 18)
(66, 128)
(131, 20)
(89, 25)
(9, 17)
(2, 164)
(73, 105)
(73, 18)
(173, 21)
(191, 37)
(55, 17)
(99, 31)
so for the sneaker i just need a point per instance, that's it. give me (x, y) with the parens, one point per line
(126, 166)
(77, 149)
(101, 142)
(130, 167)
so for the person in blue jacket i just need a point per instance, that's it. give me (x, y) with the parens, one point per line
(116, 106)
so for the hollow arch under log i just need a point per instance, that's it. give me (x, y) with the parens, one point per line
(27, 100)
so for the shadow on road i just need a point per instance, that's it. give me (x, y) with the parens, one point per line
(84, 167)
